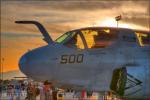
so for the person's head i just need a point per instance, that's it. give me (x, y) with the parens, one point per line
(46, 82)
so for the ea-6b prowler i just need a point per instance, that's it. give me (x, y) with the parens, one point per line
(93, 58)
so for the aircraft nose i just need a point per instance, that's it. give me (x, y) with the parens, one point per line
(33, 61)
(23, 63)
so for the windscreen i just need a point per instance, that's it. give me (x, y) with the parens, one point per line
(71, 40)
(63, 37)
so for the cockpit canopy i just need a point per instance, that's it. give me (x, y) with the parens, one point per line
(101, 37)
(144, 38)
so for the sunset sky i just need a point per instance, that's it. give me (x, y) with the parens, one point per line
(60, 16)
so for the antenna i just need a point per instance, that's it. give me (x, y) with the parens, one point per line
(117, 18)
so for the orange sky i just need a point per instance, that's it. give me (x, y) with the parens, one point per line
(59, 17)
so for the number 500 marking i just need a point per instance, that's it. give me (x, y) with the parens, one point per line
(71, 58)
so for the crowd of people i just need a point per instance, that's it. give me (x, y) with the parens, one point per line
(46, 91)
(31, 91)
(12, 90)
(43, 91)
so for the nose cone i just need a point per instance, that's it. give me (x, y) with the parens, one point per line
(39, 62)
(23, 64)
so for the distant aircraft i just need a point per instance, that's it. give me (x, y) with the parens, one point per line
(94, 58)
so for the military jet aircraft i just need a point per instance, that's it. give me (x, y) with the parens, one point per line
(93, 58)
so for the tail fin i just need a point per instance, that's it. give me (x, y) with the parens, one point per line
(46, 38)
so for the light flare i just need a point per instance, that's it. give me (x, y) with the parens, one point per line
(112, 23)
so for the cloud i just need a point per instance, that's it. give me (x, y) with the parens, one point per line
(64, 15)
(20, 35)
(67, 5)
(22, 41)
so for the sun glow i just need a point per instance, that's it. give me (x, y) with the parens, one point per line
(112, 23)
